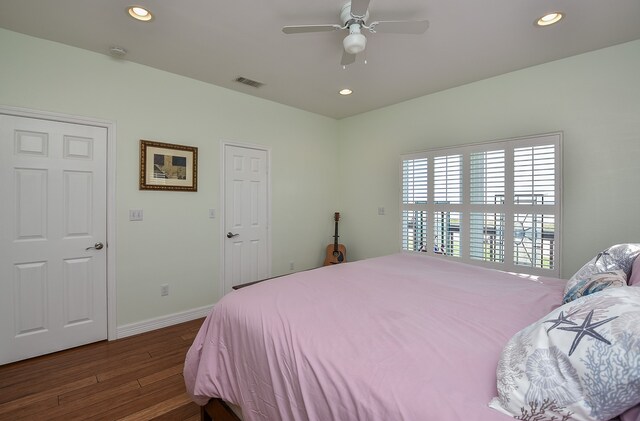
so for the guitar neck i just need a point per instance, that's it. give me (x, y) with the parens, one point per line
(335, 238)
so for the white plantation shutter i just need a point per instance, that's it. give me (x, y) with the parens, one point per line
(487, 177)
(494, 204)
(534, 175)
(486, 236)
(446, 233)
(447, 179)
(414, 230)
(414, 181)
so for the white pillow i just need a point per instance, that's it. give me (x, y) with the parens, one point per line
(580, 362)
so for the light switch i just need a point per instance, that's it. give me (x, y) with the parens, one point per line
(135, 215)
(380, 210)
(212, 213)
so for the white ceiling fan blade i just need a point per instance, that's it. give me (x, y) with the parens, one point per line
(347, 58)
(359, 7)
(400, 26)
(299, 29)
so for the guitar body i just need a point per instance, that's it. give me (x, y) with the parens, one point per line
(332, 259)
(336, 253)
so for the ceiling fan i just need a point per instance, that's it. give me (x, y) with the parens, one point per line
(354, 16)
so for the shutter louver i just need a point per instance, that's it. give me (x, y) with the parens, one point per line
(447, 179)
(486, 236)
(414, 181)
(446, 233)
(534, 175)
(414, 230)
(487, 177)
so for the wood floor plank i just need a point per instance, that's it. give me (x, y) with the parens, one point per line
(145, 368)
(95, 393)
(159, 409)
(33, 399)
(135, 377)
(147, 396)
(184, 412)
(160, 375)
(47, 380)
(27, 411)
(189, 336)
(78, 406)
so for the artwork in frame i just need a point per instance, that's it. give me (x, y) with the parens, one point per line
(165, 166)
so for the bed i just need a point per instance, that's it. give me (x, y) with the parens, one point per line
(400, 337)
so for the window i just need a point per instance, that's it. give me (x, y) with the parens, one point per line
(495, 204)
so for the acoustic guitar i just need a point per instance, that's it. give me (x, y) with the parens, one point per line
(336, 253)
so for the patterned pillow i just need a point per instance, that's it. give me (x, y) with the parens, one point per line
(618, 257)
(580, 362)
(594, 283)
(634, 278)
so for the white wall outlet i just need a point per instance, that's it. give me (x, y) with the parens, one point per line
(135, 215)
(212, 213)
(380, 210)
(291, 265)
(164, 290)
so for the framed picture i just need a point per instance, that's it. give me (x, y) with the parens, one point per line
(164, 166)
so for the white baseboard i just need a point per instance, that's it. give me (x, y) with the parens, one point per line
(162, 321)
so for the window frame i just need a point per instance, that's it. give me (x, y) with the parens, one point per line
(509, 208)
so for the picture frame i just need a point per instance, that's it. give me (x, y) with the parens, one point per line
(165, 166)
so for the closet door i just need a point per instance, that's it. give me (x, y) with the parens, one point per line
(53, 292)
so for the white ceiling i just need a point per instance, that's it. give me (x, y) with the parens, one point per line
(217, 41)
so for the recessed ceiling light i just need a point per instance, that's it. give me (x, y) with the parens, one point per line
(346, 92)
(140, 13)
(550, 19)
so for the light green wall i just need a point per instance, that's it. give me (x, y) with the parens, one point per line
(593, 98)
(177, 243)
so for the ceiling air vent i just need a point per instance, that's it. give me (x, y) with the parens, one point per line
(249, 82)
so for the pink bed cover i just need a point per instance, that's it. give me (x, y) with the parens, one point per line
(400, 337)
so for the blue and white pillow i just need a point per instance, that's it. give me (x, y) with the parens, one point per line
(596, 282)
(580, 362)
(618, 257)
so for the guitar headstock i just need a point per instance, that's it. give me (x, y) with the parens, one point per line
(336, 216)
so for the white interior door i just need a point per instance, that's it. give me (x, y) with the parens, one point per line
(246, 224)
(53, 285)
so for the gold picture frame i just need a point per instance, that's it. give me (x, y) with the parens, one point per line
(165, 166)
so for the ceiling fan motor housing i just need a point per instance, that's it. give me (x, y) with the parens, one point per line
(346, 16)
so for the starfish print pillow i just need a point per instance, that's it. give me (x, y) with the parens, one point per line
(580, 362)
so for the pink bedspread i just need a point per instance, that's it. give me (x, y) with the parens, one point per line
(400, 337)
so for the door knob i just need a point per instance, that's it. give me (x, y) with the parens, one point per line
(230, 235)
(96, 246)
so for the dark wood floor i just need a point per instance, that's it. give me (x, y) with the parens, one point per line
(135, 378)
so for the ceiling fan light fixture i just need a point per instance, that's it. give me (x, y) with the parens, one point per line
(140, 13)
(354, 43)
(549, 19)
